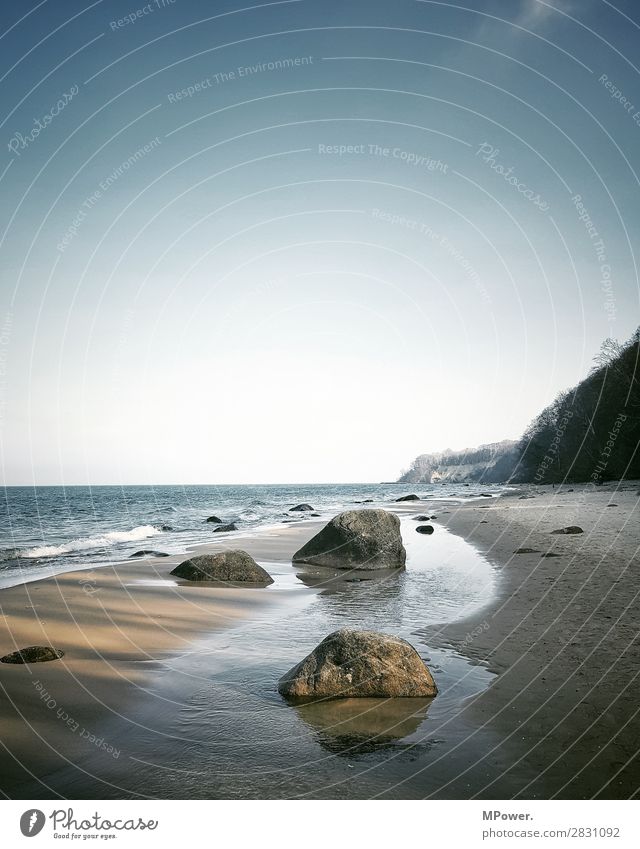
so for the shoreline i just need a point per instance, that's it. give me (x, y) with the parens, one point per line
(119, 628)
(547, 708)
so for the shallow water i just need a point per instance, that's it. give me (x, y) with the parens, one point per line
(216, 726)
(49, 530)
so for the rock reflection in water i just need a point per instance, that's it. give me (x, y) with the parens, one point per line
(360, 726)
(335, 580)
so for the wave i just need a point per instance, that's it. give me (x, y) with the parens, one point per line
(98, 541)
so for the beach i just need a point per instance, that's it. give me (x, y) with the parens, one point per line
(540, 679)
(562, 637)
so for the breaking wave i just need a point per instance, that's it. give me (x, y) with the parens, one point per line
(98, 541)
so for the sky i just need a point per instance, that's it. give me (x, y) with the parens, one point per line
(305, 241)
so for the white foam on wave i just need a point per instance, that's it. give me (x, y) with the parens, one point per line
(98, 541)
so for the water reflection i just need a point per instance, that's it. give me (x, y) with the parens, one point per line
(360, 726)
(445, 578)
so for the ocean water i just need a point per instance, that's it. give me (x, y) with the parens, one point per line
(49, 530)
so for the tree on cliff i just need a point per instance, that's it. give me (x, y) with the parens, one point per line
(591, 432)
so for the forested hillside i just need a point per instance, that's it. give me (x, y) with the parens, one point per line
(590, 433)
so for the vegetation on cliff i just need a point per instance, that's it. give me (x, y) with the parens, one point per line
(590, 433)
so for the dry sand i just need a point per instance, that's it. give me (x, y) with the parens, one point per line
(562, 636)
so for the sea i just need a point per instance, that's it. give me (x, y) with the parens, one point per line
(47, 530)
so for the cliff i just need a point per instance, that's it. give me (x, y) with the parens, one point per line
(491, 463)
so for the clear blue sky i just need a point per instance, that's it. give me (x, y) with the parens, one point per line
(308, 240)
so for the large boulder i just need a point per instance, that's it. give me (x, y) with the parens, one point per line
(235, 567)
(356, 539)
(359, 664)
(33, 654)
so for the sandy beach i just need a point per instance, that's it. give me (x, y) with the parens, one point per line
(118, 628)
(560, 636)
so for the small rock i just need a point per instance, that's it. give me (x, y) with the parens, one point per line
(166, 528)
(527, 551)
(571, 529)
(551, 554)
(301, 508)
(421, 518)
(425, 529)
(408, 498)
(33, 654)
(214, 519)
(148, 552)
(224, 528)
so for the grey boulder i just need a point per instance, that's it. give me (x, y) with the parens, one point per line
(359, 664)
(356, 539)
(229, 567)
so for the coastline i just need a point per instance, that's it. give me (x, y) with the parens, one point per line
(553, 632)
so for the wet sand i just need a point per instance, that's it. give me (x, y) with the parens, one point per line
(118, 634)
(563, 637)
